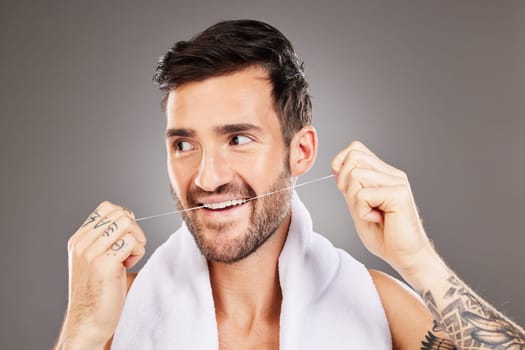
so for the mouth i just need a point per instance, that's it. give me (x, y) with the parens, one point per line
(223, 205)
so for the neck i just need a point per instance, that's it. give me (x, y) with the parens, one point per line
(249, 290)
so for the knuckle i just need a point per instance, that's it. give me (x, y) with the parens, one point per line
(105, 205)
(335, 162)
(124, 222)
(128, 211)
(354, 173)
(353, 153)
(71, 243)
(354, 157)
(355, 143)
(142, 239)
(360, 195)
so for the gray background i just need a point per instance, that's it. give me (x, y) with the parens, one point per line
(435, 88)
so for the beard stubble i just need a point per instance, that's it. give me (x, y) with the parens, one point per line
(266, 216)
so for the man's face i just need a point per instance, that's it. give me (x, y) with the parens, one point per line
(224, 143)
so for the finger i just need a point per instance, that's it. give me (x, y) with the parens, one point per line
(338, 160)
(356, 159)
(103, 243)
(77, 241)
(102, 209)
(127, 250)
(358, 154)
(384, 199)
(128, 211)
(126, 247)
(135, 256)
(105, 225)
(108, 225)
(367, 171)
(362, 178)
(367, 178)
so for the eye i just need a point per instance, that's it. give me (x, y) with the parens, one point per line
(240, 140)
(183, 146)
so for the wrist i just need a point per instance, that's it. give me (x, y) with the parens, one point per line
(426, 272)
(80, 338)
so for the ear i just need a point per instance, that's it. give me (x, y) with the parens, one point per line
(303, 150)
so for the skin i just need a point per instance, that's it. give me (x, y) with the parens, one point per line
(109, 242)
(247, 294)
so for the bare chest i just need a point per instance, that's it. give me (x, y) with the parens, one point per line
(259, 336)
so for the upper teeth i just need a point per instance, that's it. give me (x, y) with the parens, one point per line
(225, 204)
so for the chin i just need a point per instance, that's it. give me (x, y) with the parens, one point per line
(227, 247)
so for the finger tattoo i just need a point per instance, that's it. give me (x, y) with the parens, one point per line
(94, 216)
(110, 229)
(118, 245)
(102, 222)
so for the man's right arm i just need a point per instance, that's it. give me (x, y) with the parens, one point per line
(109, 242)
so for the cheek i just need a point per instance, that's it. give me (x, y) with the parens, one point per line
(261, 170)
(179, 178)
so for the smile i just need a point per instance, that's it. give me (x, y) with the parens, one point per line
(224, 205)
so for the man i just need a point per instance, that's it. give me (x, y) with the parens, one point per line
(246, 272)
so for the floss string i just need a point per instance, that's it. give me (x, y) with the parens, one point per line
(245, 201)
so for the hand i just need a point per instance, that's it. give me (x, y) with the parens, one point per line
(382, 206)
(106, 244)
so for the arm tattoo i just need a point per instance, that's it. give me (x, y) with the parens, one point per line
(471, 323)
(432, 342)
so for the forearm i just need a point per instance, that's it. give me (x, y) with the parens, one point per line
(469, 321)
(73, 337)
(70, 343)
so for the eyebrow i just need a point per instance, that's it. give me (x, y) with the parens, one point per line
(235, 128)
(181, 132)
(219, 130)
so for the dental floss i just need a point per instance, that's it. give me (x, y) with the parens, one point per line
(244, 201)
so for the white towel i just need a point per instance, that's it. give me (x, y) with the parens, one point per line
(329, 299)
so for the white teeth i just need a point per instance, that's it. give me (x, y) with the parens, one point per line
(225, 204)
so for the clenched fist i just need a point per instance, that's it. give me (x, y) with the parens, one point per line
(109, 242)
(382, 207)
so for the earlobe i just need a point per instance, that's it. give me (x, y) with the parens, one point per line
(303, 150)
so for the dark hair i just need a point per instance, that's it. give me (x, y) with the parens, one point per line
(231, 46)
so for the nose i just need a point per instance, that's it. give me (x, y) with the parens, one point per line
(214, 172)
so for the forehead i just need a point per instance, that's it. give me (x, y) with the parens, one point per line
(244, 96)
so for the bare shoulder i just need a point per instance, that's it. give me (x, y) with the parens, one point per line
(391, 289)
(411, 324)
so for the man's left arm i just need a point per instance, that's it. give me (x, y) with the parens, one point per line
(382, 206)
(411, 324)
